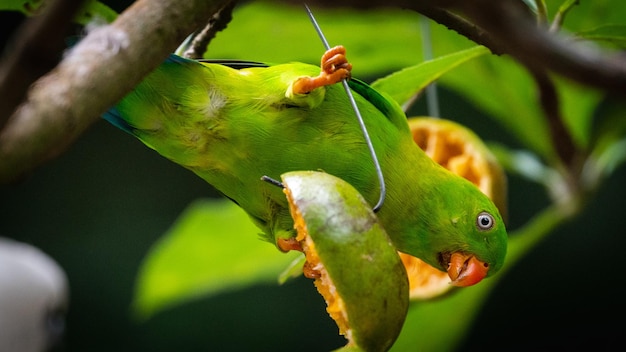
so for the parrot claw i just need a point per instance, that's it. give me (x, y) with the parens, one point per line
(288, 244)
(335, 68)
(291, 244)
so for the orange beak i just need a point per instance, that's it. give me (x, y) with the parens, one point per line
(466, 270)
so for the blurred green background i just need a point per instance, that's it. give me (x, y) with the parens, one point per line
(99, 207)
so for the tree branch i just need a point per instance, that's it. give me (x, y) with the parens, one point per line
(93, 76)
(539, 49)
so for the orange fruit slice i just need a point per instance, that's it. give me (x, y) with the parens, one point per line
(355, 266)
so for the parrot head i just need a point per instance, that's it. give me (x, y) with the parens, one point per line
(453, 227)
(473, 242)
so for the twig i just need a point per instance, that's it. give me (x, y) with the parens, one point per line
(95, 74)
(571, 157)
(217, 23)
(460, 25)
(562, 140)
(559, 17)
(542, 12)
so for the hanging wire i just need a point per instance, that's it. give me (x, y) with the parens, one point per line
(432, 99)
(379, 172)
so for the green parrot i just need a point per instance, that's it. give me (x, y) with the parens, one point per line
(233, 122)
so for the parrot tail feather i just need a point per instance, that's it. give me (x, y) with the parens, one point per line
(114, 117)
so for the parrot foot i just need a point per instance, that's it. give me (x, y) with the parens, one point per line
(335, 67)
(289, 244)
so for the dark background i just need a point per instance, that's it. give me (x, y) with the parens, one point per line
(98, 208)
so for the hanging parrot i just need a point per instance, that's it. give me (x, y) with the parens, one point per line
(233, 122)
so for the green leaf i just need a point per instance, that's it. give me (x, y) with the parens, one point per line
(565, 7)
(523, 163)
(27, 7)
(578, 104)
(610, 33)
(439, 325)
(405, 84)
(590, 14)
(527, 165)
(95, 10)
(613, 156)
(211, 249)
(293, 270)
(609, 141)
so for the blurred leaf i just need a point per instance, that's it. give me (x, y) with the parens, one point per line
(293, 270)
(500, 87)
(439, 325)
(523, 163)
(95, 10)
(578, 104)
(529, 166)
(590, 14)
(210, 249)
(407, 83)
(612, 157)
(91, 9)
(564, 8)
(27, 7)
(610, 33)
(609, 141)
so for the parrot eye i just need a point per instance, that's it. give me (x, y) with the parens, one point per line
(485, 221)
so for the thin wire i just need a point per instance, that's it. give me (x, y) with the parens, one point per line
(379, 172)
(272, 181)
(432, 99)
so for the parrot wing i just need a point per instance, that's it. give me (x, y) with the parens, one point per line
(384, 104)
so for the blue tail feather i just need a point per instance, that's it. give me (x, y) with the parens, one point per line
(178, 59)
(115, 118)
